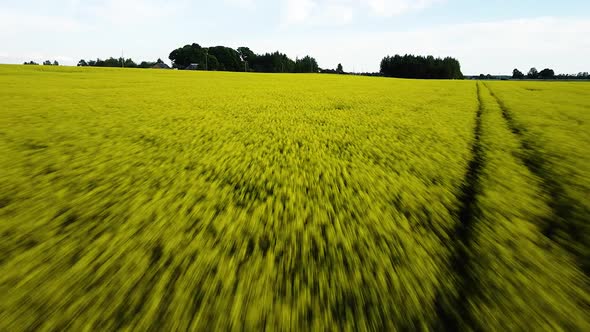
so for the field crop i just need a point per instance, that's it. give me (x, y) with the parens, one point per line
(165, 200)
(553, 122)
(519, 272)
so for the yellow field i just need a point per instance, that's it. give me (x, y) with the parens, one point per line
(167, 200)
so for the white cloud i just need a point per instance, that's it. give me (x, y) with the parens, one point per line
(132, 12)
(241, 3)
(297, 11)
(340, 12)
(95, 15)
(317, 12)
(12, 22)
(337, 14)
(398, 7)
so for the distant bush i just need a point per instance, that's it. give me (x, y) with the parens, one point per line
(517, 74)
(49, 63)
(121, 62)
(548, 74)
(429, 67)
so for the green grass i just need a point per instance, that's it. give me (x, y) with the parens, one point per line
(166, 200)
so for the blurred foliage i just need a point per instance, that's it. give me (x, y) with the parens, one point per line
(523, 281)
(169, 200)
(553, 123)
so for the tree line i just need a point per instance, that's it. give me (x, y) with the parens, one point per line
(424, 67)
(119, 62)
(45, 63)
(579, 76)
(224, 58)
(339, 70)
(547, 74)
(534, 74)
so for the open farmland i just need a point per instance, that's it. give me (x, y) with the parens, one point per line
(166, 200)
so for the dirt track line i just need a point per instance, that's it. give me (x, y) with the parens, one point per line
(453, 313)
(563, 207)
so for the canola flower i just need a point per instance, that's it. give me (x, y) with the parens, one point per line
(165, 200)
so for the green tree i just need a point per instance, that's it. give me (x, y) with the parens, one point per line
(247, 57)
(212, 63)
(187, 55)
(517, 74)
(306, 65)
(129, 63)
(547, 74)
(246, 54)
(425, 67)
(339, 69)
(533, 73)
(228, 58)
(242, 59)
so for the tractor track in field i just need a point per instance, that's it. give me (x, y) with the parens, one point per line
(562, 206)
(453, 312)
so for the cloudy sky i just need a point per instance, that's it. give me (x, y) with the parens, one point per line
(491, 36)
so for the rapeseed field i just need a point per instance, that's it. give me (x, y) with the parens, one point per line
(211, 201)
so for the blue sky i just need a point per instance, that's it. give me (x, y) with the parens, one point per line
(491, 36)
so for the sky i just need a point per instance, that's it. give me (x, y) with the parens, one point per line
(492, 36)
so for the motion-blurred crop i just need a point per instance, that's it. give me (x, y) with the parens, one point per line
(165, 200)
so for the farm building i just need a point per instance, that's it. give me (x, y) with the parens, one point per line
(160, 65)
